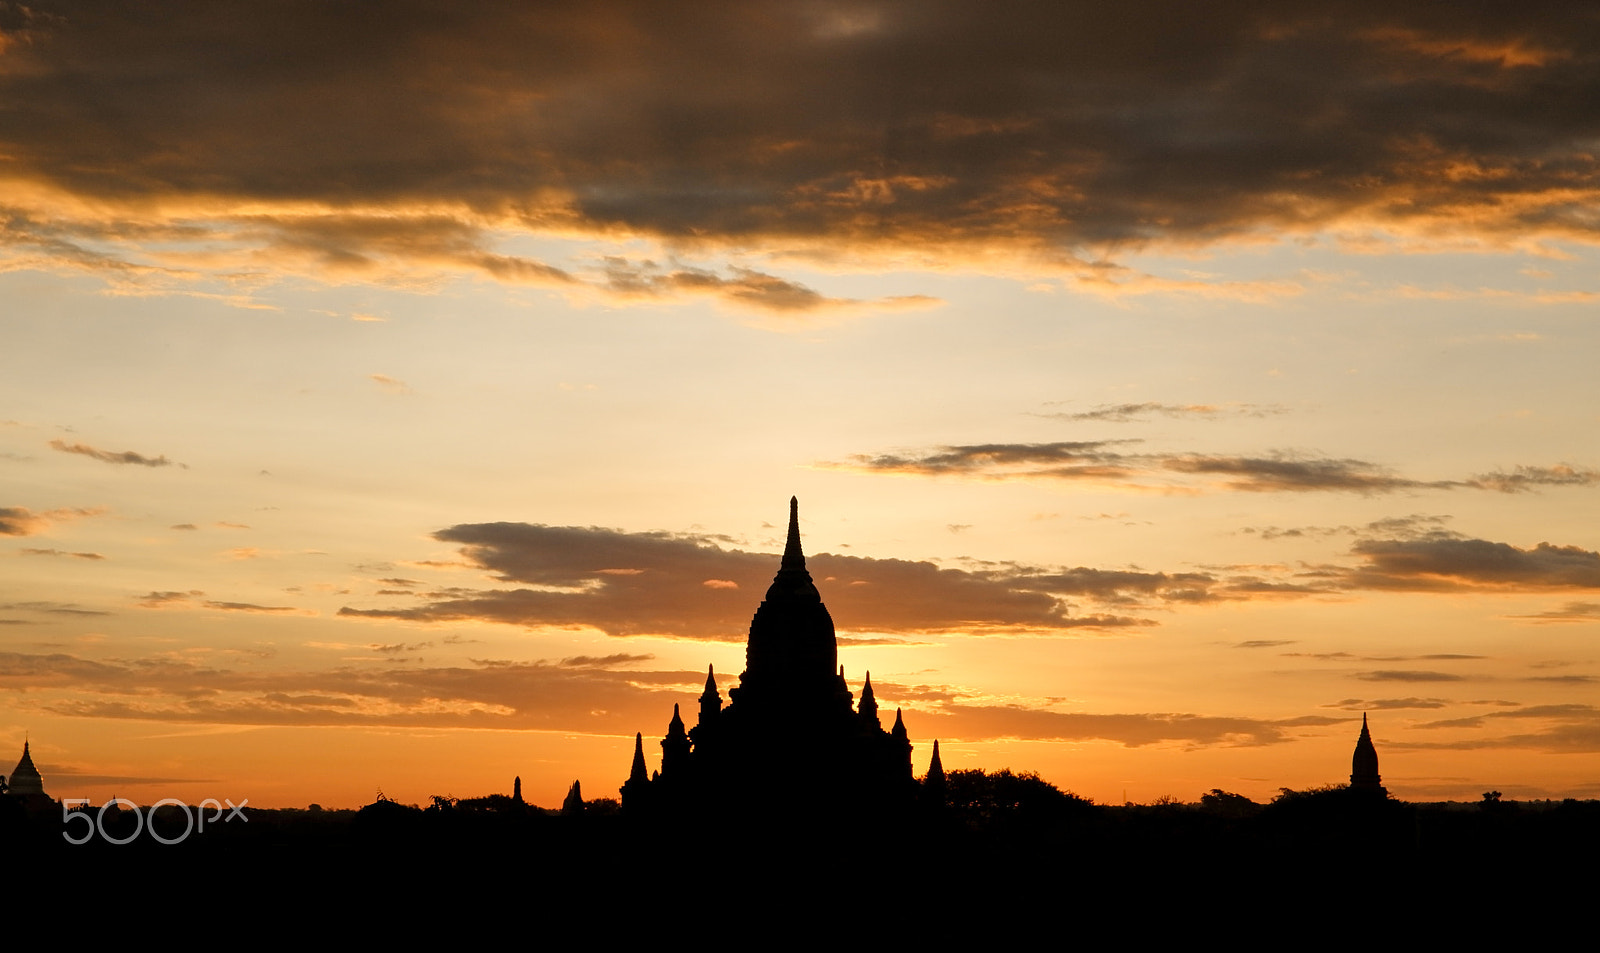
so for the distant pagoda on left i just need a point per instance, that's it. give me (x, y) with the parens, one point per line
(26, 785)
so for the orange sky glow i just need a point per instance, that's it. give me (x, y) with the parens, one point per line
(406, 398)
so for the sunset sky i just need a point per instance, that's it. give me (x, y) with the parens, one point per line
(407, 397)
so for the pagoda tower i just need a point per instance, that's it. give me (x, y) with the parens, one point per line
(789, 737)
(25, 780)
(1364, 763)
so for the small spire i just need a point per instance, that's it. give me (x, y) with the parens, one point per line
(638, 773)
(793, 557)
(675, 726)
(936, 766)
(899, 729)
(710, 701)
(868, 709)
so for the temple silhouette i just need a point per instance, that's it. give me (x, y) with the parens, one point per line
(789, 738)
(1364, 764)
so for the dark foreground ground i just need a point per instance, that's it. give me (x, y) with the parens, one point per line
(988, 862)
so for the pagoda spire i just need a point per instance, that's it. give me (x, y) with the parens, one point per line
(639, 772)
(868, 709)
(902, 741)
(793, 557)
(636, 790)
(933, 783)
(25, 777)
(1364, 763)
(791, 653)
(710, 699)
(675, 747)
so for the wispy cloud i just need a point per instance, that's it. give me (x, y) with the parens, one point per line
(390, 384)
(1522, 479)
(1107, 462)
(612, 694)
(1126, 413)
(58, 552)
(111, 456)
(1568, 613)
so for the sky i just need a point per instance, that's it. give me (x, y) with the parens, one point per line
(406, 397)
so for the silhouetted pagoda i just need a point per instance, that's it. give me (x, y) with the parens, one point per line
(25, 780)
(1364, 763)
(789, 738)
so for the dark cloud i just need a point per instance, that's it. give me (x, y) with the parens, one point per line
(110, 456)
(1450, 563)
(1286, 473)
(655, 583)
(1097, 461)
(895, 122)
(1401, 527)
(1409, 675)
(1568, 728)
(1523, 479)
(1263, 643)
(157, 600)
(1061, 460)
(399, 647)
(686, 585)
(1388, 704)
(21, 521)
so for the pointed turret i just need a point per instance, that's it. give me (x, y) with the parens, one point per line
(793, 558)
(710, 699)
(574, 802)
(516, 789)
(1364, 763)
(902, 740)
(868, 709)
(639, 772)
(675, 748)
(933, 783)
(636, 790)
